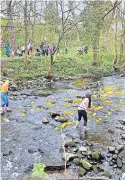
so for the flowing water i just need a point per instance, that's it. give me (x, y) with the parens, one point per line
(25, 140)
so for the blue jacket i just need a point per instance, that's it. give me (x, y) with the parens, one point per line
(7, 47)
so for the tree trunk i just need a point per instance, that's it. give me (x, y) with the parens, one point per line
(122, 40)
(11, 29)
(51, 65)
(26, 33)
(95, 42)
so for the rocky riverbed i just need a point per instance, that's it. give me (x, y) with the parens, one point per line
(33, 132)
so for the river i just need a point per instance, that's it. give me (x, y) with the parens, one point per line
(26, 140)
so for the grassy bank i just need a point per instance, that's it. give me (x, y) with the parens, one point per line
(66, 65)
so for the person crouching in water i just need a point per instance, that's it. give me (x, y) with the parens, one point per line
(4, 96)
(82, 110)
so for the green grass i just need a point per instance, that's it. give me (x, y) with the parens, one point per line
(69, 64)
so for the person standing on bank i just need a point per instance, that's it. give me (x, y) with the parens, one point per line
(82, 109)
(4, 97)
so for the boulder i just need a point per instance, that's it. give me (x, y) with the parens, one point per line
(86, 164)
(81, 171)
(61, 118)
(106, 174)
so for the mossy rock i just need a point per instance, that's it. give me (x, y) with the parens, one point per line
(76, 161)
(82, 171)
(44, 93)
(106, 174)
(82, 83)
(4, 71)
(95, 155)
(86, 164)
(95, 169)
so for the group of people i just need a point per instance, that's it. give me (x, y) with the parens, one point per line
(20, 50)
(83, 50)
(45, 49)
(84, 106)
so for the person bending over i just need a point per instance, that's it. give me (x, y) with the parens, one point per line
(82, 109)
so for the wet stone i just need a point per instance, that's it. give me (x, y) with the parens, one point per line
(123, 136)
(86, 164)
(120, 148)
(95, 155)
(76, 161)
(69, 143)
(83, 149)
(114, 156)
(111, 163)
(95, 169)
(111, 149)
(106, 174)
(119, 163)
(7, 153)
(45, 121)
(61, 118)
(37, 127)
(81, 171)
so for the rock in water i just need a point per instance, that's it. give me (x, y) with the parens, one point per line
(123, 136)
(119, 162)
(82, 171)
(106, 174)
(120, 148)
(55, 114)
(70, 143)
(86, 164)
(61, 118)
(95, 169)
(95, 155)
(45, 121)
(111, 149)
(83, 149)
(76, 161)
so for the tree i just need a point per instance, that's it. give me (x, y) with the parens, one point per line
(11, 30)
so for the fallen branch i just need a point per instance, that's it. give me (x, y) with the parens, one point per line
(64, 154)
